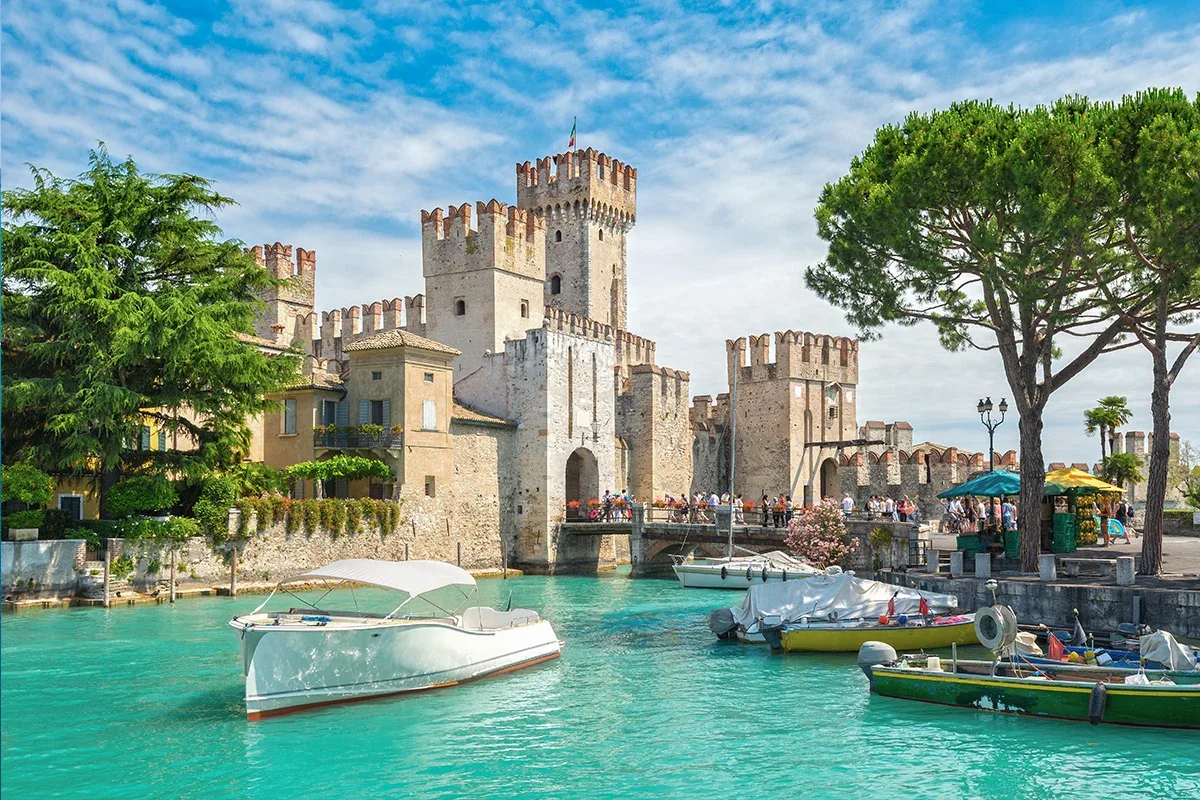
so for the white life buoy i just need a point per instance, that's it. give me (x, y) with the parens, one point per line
(996, 627)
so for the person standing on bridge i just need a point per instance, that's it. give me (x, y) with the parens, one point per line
(847, 504)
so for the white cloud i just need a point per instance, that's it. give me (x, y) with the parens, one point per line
(333, 127)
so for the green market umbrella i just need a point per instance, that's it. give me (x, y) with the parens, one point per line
(994, 484)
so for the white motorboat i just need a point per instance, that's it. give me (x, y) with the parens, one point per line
(741, 572)
(303, 658)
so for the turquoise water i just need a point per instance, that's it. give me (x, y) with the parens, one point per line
(146, 702)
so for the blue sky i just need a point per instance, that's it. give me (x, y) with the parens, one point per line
(332, 126)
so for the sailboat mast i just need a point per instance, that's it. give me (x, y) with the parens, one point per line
(733, 451)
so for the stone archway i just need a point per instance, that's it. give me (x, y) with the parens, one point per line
(829, 478)
(583, 476)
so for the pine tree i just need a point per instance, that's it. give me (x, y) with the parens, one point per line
(121, 307)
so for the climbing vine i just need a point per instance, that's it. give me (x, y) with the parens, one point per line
(337, 516)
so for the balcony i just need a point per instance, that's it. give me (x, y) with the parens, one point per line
(362, 437)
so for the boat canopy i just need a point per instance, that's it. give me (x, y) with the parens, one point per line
(411, 577)
(834, 597)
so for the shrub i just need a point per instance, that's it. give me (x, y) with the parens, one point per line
(141, 494)
(880, 537)
(818, 533)
(24, 519)
(217, 495)
(26, 484)
(121, 567)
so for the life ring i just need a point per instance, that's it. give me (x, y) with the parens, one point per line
(996, 627)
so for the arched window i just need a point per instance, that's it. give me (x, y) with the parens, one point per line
(555, 284)
(524, 309)
(602, 234)
(558, 236)
(460, 308)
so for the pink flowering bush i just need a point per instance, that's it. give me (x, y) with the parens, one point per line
(818, 534)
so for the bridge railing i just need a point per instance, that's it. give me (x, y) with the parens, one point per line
(681, 516)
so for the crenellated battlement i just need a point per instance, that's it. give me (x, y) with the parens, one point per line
(300, 275)
(579, 183)
(340, 326)
(506, 238)
(797, 354)
(631, 349)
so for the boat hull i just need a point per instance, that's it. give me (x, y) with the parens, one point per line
(708, 576)
(831, 639)
(1150, 705)
(292, 668)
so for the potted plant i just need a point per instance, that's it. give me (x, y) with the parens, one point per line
(397, 430)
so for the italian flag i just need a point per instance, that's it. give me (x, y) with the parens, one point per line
(571, 144)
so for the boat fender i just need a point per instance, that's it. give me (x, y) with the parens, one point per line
(1096, 703)
(722, 573)
(748, 571)
(785, 573)
(764, 574)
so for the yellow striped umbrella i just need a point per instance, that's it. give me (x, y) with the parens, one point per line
(1076, 481)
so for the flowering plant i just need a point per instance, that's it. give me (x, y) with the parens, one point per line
(573, 504)
(781, 506)
(660, 504)
(593, 503)
(818, 533)
(397, 430)
(749, 505)
(619, 502)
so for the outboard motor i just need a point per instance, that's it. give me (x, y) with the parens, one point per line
(722, 624)
(872, 654)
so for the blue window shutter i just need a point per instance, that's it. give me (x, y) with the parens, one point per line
(145, 437)
(387, 414)
(364, 412)
(343, 414)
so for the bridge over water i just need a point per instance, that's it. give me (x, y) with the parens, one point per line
(654, 538)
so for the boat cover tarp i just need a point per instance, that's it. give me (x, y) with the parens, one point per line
(822, 597)
(411, 577)
(1161, 646)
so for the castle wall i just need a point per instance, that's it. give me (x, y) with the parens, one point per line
(653, 419)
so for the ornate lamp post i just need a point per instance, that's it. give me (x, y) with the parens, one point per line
(985, 407)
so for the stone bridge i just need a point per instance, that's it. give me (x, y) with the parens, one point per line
(653, 542)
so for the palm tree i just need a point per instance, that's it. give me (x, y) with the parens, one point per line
(1123, 469)
(1109, 414)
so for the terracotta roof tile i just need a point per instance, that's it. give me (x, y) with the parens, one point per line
(398, 338)
(463, 414)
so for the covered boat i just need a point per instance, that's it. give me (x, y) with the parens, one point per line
(837, 613)
(741, 572)
(434, 637)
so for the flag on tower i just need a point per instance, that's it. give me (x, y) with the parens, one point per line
(572, 142)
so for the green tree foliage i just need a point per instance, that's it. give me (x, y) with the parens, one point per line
(340, 468)
(139, 494)
(122, 306)
(978, 219)
(1109, 414)
(1153, 154)
(27, 484)
(211, 510)
(254, 478)
(1123, 469)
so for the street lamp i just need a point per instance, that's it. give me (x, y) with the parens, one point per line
(595, 433)
(985, 407)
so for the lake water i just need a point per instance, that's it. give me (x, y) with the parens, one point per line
(147, 702)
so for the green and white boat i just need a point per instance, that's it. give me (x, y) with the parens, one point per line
(1011, 684)
(1095, 695)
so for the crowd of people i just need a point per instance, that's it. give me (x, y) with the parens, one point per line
(885, 507)
(964, 514)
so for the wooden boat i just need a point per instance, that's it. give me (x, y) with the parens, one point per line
(849, 636)
(1094, 694)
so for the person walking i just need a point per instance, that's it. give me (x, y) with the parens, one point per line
(608, 505)
(847, 504)
(766, 511)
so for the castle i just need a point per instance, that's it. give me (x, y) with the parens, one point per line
(511, 391)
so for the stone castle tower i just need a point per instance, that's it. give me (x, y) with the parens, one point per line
(787, 407)
(288, 313)
(589, 203)
(483, 285)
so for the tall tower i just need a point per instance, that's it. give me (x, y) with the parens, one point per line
(482, 285)
(589, 203)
